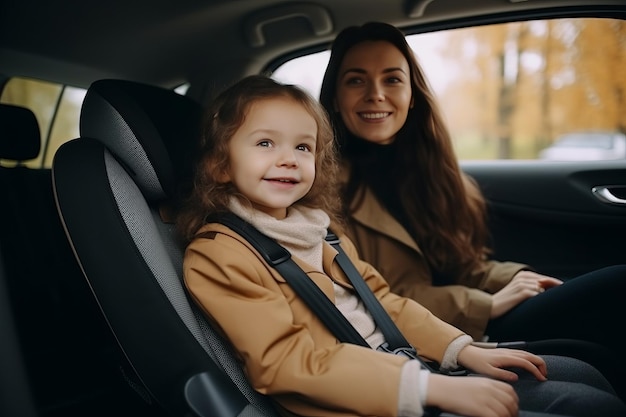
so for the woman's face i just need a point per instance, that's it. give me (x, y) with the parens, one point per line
(374, 91)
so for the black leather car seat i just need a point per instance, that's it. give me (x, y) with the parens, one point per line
(20, 139)
(113, 185)
(70, 357)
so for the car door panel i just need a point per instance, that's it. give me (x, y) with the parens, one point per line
(545, 214)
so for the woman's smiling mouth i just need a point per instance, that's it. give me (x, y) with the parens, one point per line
(373, 116)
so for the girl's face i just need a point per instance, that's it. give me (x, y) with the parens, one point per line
(374, 91)
(272, 155)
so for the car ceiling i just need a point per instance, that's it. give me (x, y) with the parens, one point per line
(166, 42)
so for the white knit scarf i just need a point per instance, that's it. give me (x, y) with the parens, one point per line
(302, 232)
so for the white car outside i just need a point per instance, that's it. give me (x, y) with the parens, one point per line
(586, 146)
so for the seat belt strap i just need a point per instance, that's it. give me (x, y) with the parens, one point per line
(280, 258)
(395, 342)
(393, 336)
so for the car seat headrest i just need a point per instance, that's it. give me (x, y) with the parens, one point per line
(152, 131)
(20, 138)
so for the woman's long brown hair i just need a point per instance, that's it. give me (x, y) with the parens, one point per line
(445, 209)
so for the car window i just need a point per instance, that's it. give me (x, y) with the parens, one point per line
(56, 107)
(510, 91)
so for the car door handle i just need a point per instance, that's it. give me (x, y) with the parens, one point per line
(605, 194)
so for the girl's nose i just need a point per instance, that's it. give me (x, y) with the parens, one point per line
(288, 158)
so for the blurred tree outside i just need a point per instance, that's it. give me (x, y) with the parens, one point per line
(520, 85)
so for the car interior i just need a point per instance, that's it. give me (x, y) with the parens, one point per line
(94, 319)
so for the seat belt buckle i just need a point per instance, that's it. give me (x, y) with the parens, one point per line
(411, 353)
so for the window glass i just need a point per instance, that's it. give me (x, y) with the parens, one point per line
(56, 108)
(510, 91)
(65, 126)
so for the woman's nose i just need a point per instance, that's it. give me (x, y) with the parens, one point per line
(375, 92)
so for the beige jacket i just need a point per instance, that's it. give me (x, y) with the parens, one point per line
(286, 351)
(385, 244)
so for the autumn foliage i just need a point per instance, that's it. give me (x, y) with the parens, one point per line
(520, 85)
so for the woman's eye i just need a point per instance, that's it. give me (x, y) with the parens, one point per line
(354, 81)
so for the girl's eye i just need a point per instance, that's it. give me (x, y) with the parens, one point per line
(264, 143)
(304, 148)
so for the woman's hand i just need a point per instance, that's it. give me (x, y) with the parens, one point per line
(494, 362)
(472, 396)
(525, 284)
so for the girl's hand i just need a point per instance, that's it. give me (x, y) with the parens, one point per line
(472, 396)
(525, 284)
(493, 362)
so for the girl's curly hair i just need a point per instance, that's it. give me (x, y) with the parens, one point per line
(224, 116)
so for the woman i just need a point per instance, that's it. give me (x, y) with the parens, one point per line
(421, 222)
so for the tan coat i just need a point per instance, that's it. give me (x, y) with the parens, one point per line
(385, 244)
(286, 351)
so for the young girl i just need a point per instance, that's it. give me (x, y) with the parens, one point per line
(267, 155)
